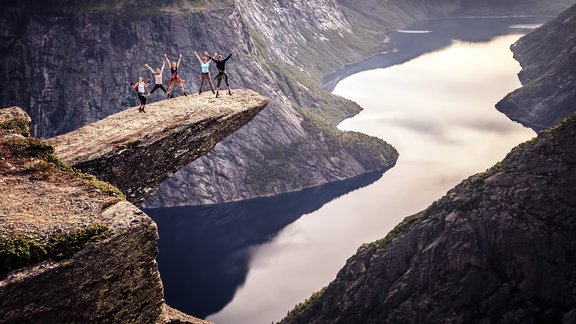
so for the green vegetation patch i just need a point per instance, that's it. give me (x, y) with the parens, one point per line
(19, 125)
(35, 148)
(24, 251)
(399, 230)
(309, 302)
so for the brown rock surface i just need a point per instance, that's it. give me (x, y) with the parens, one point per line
(137, 151)
(71, 249)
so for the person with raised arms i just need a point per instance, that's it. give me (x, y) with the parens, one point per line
(205, 74)
(221, 66)
(158, 84)
(175, 77)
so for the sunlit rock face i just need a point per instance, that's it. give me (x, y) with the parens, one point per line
(136, 150)
(70, 251)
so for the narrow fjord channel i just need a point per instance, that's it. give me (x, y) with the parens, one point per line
(432, 99)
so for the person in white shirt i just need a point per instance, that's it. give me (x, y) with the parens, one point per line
(158, 84)
(141, 86)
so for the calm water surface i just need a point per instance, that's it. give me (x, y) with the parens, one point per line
(251, 262)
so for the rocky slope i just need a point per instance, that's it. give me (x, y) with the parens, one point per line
(82, 74)
(71, 248)
(548, 74)
(137, 151)
(68, 76)
(498, 248)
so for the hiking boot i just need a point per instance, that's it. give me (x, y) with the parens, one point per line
(200, 92)
(217, 94)
(185, 95)
(213, 92)
(168, 94)
(229, 92)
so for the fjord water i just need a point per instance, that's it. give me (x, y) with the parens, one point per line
(251, 262)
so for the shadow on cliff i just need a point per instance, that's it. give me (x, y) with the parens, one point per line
(432, 35)
(205, 251)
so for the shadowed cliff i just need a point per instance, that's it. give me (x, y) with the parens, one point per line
(137, 151)
(548, 75)
(498, 248)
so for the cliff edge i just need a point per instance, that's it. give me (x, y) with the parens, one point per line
(72, 249)
(548, 74)
(137, 151)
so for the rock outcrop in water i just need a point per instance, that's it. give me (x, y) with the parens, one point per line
(137, 151)
(69, 63)
(498, 248)
(548, 75)
(71, 248)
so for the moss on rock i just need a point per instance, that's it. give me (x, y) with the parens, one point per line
(25, 251)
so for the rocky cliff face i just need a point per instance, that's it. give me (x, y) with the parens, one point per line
(71, 249)
(137, 151)
(498, 248)
(69, 63)
(548, 74)
(82, 74)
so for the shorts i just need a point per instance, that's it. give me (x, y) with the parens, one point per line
(142, 97)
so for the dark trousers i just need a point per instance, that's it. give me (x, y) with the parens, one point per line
(142, 97)
(159, 86)
(221, 75)
(205, 76)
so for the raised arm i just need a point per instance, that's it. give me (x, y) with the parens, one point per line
(229, 56)
(215, 55)
(166, 58)
(162, 68)
(208, 55)
(198, 56)
(149, 68)
(179, 60)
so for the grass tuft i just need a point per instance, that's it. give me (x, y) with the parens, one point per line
(301, 307)
(25, 251)
(20, 125)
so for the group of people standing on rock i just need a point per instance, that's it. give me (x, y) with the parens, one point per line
(140, 86)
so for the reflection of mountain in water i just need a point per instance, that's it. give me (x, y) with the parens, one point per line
(431, 35)
(205, 251)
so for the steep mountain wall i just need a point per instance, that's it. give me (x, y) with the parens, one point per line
(70, 62)
(548, 74)
(78, 75)
(498, 248)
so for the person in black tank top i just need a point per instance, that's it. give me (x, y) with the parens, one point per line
(221, 66)
(175, 77)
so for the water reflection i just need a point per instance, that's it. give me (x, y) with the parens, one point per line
(206, 250)
(431, 35)
(438, 111)
(260, 258)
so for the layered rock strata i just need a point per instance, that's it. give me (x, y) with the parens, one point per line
(71, 248)
(137, 151)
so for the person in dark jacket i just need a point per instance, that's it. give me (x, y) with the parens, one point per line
(221, 66)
